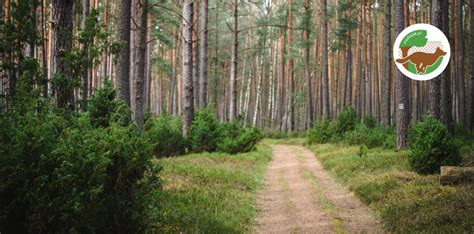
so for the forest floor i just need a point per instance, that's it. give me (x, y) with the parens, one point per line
(300, 197)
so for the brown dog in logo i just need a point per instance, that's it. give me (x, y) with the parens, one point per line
(422, 60)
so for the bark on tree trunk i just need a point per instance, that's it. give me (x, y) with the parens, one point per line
(105, 28)
(174, 75)
(470, 92)
(43, 52)
(204, 56)
(187, 70)
(435, 84)
(446, 99)
(324, 41)
(233, 69)
(290, 113)
(123, 57)
(460, 64)
(138, 108)
(148, 65)
(401, 85)
(62, 38)
(259, 82)
(385, 108)
(306, 65)
(85, 78)
(195, 53)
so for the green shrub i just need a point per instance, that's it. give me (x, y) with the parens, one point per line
(204, 132)
(166, 134)
(431, 146)
(25, 138)
(61, 174)
(104, 108)
(390, 140)
(237, 139)
(370, 122)
(92, 172)
(322, 132)
(346, 121)
(370, 137)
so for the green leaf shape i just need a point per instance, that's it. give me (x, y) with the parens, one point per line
(416, 38)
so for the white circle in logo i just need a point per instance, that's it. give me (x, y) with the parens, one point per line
(421, 52)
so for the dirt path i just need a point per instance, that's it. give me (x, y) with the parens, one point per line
(300, 197)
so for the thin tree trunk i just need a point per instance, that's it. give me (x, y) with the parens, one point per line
(174, 89)
(123, 58)
(138, 108)
(85, 78)
(385, 108)
(260, 78)
(195, 54)
(233, 69)
(204, 56)
(133, 30)
(324, 41)
(43, 52)
(435, 84)
(402, 119)
(446, 109)
(187, 34)
(470, 92)
(148, 65)
(258, 96)
(306, 65)
(105, 29)
(460, 63)
(290, 113)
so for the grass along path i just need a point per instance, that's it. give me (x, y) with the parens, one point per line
(300, 197)
(405, 201)
(211, 192)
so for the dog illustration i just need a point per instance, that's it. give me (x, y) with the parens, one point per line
(422, 60)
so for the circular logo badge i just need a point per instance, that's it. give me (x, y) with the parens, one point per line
(421, 52)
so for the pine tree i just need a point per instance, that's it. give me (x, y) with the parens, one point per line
(187, 34)
(401, 92)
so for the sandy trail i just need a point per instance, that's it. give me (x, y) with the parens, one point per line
(300, 197)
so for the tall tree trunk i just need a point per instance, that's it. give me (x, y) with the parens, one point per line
(32, 43)
(105, 28)
(174, 74)
(470, 92)
(460, 64)
(43, 52)
(85, 76)
(195, 53)
(133, 30)
(290, 112)
(62, 37)
(435, 84)
(187, 34)
(446, 109)
(148, 65)
(233, 69)
(387, 82)
(324, 62)
(138, 108)
(258, 102)
(369, 65)
(204, 56)
(123, 57)
(306, 64)
(401, 85)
